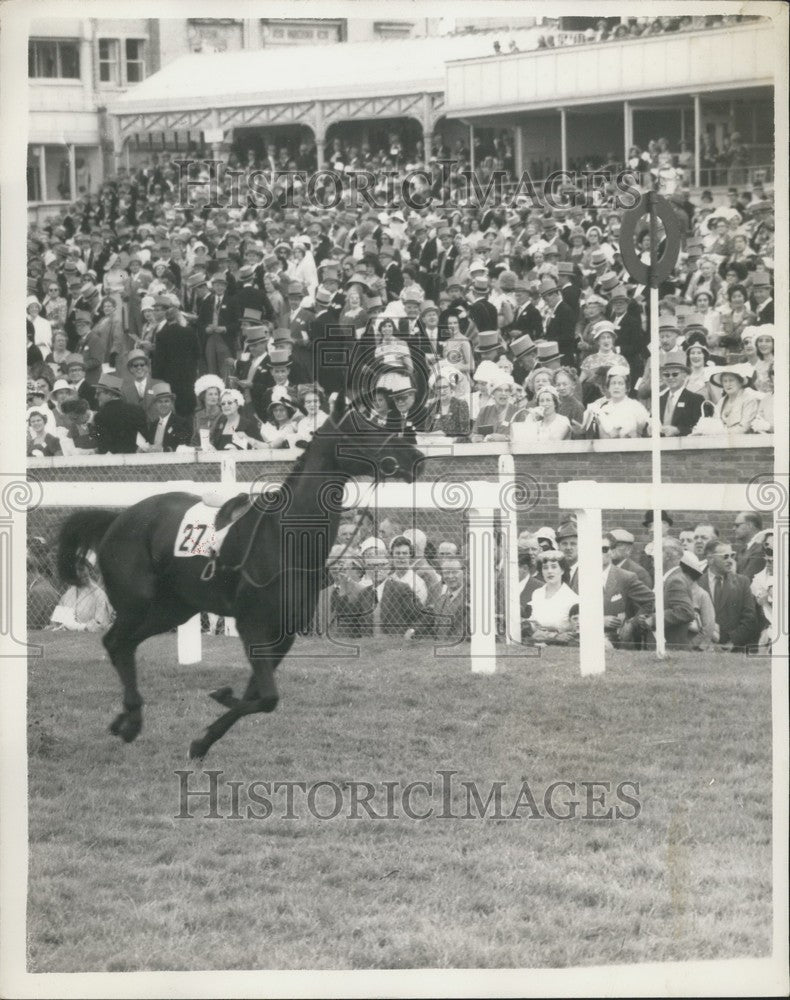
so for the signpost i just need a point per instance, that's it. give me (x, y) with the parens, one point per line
(651, 275)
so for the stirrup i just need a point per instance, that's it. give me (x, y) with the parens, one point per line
(209, 570)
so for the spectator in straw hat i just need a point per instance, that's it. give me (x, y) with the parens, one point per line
(166, 431)
(137, 382)
(74, 369)
(739, 403)
(560, 321)
(118, 424)
(494, 419)
(762, 298)
(279, 366)
(217, 325)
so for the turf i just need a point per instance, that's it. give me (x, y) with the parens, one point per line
(117, 883)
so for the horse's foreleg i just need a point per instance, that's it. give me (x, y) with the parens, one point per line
(261, 694)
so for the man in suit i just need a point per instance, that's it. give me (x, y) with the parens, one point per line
(93, 344)
(137, 384)
(627, 602)
(750, 559)
(74, 366)
(679, 611)
(117, 423)
(733, 601)
(482, 312)
(679, 408)
(762, 299)
(622, 543)
(393, 275)
(217, 325)
(451, 619)
(249, 296)
(527, 318)
(165, 430)
(568, 544)
(176, 354)
(561, 322)
(632, 340)
(253, 373)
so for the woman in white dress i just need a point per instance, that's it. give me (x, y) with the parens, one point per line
(552, 603)
(543, 422)
(739, 403)
(616, 415)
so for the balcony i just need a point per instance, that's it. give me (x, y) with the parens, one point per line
(735, 57)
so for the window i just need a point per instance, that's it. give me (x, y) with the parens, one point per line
(135, 60)
(53, 60)
(108, 61)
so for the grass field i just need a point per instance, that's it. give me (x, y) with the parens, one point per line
(116, 883)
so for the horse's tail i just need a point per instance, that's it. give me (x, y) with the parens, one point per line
(81, 532)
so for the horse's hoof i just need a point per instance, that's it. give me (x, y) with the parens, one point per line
(197, 750)
(225, 696)
(117, 724)
(269, 704)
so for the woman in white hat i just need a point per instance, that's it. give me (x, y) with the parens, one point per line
(739, 403)
(208, 389)
(234, 431)
(279, 430)
(605, 337)
(615, 415)
(145, 341)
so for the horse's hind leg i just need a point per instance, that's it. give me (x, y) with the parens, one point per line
(121, 647)
(121, 643)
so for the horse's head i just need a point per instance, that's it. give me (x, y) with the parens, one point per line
(360, 449)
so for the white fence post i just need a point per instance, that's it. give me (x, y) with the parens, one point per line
(509, 524)
(482, 583)
(591, 645)
(190, 646)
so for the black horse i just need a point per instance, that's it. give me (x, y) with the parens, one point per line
(269, 576)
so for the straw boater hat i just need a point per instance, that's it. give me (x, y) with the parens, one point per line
(162, 390)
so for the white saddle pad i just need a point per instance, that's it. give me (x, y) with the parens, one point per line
(197, 534)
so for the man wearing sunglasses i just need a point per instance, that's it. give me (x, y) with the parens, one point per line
(137, 387)
(627, 602)
(680, 409)
(733, 601)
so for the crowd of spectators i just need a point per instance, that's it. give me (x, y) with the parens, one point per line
(627, 28)
(154, 327)
(388, 580)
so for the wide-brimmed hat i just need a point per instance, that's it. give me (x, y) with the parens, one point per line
(744, 371)
(61, 383)
(285, 401)
(208, 382)
(603, 326)
(72, 360)
(696, 567)
(322, 296)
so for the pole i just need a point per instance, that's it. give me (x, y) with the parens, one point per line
(697, 140)
(563, 140)
(655, 431)
(472, 148)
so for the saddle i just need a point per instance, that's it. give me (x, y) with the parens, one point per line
(229, 512)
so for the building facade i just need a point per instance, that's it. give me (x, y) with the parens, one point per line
(77, 67)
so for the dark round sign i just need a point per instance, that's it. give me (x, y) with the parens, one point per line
(663, 267)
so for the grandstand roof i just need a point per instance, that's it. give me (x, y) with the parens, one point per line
(310, 72)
